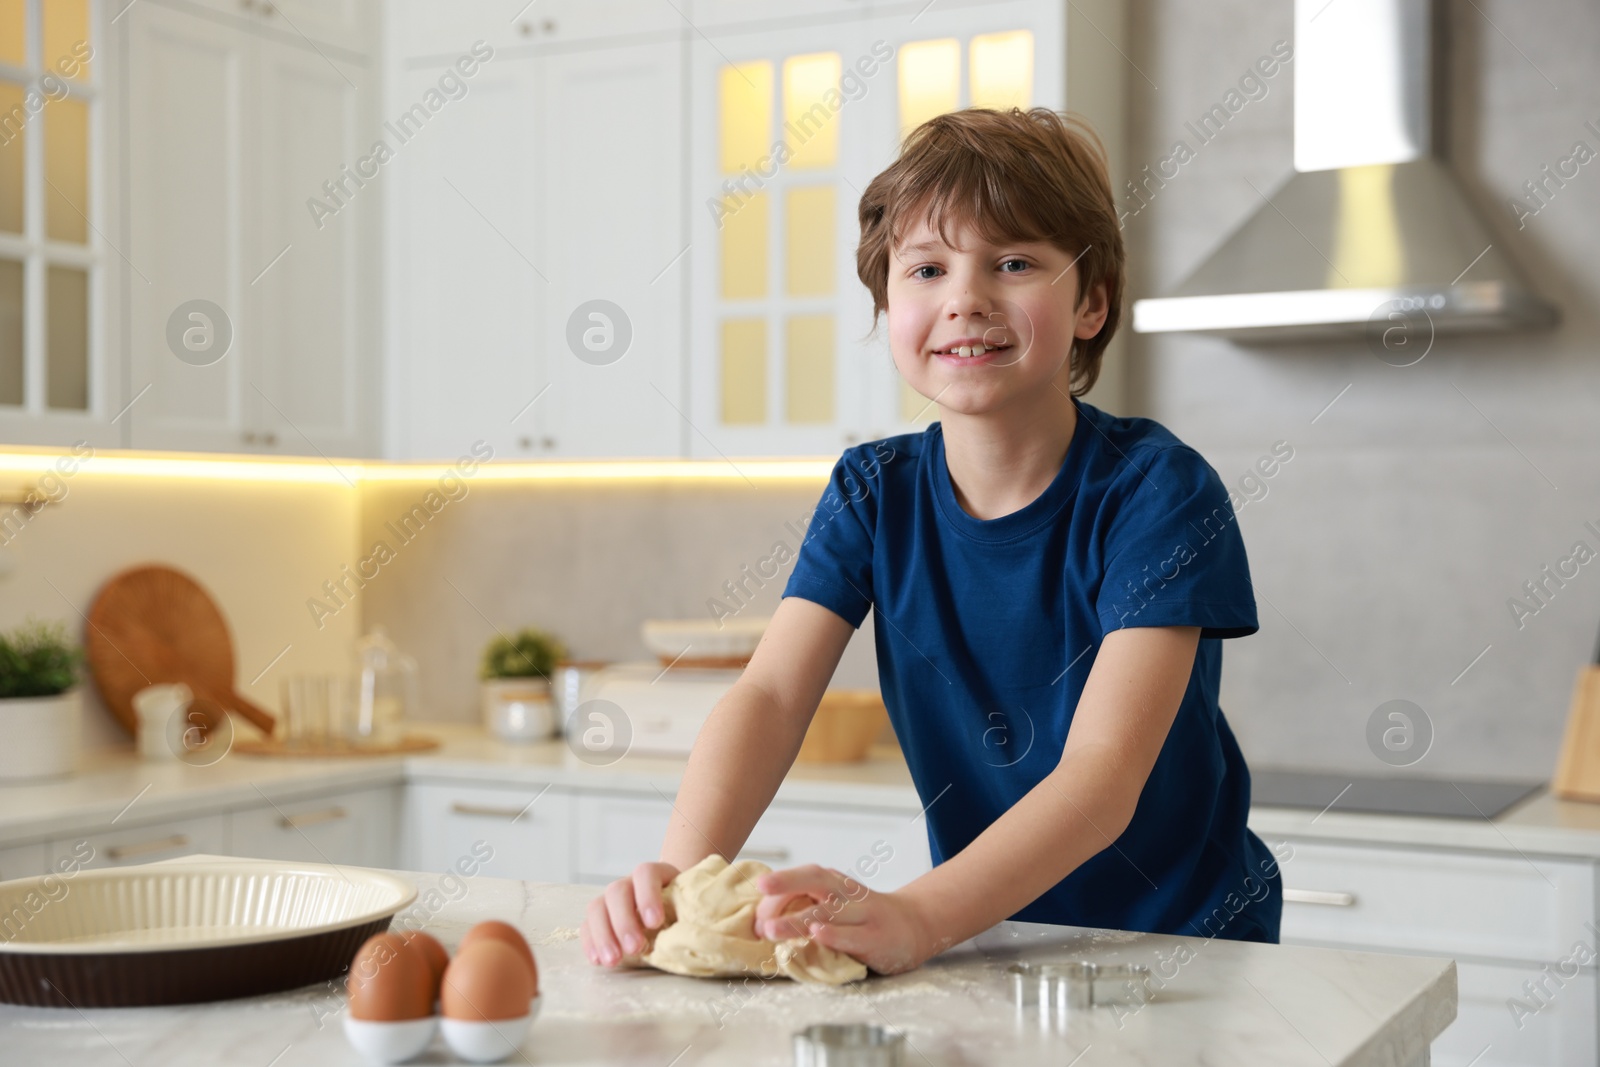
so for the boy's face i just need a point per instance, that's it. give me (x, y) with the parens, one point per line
(1016, 299)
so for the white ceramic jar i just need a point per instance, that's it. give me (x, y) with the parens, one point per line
(518, 709)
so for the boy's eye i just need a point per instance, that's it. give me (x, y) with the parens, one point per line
(1014, 266)
(925, 267)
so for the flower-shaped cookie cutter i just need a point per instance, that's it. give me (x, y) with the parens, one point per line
(848, 1045)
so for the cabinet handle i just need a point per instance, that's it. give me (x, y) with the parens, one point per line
(269, 438)
(312, 818)
(1319, 896)
(486, 811)
(144, 848)
(249, 437)
(770, 855)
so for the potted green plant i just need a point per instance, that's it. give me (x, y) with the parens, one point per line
(515, 689)
(41, 706)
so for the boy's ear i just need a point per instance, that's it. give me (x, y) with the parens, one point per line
(1092, 311)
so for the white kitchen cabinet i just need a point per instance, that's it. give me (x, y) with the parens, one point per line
(883, 850)
(552, 185)
(336, 24)
(470, 275)
(1505, 918)
(1520, 908)
(612, 178)
(529, 830)
(1558, 1028)
(144, 844)
(23, 861)
(347, 24)
(314, 285)
(358, 828)
(428, 29)
(232, 132)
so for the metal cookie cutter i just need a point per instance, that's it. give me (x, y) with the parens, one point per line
(848, 1045)
(1055, 990)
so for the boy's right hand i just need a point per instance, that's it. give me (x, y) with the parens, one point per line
(621, 921)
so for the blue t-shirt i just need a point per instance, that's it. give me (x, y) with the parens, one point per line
(987, 629)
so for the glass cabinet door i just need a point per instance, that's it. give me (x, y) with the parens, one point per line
(787, 129)
(777, 322)
(53, 384)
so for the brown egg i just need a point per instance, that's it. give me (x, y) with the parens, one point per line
(499, 931)
(438, 959)
(389, 981)
(486, 982)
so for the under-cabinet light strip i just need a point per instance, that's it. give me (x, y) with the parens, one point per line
(352, 472)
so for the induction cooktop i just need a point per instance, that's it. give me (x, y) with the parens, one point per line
(1284, 787)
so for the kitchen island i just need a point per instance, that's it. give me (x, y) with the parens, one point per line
(1213, 1001)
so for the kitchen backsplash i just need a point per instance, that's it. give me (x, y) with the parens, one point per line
(1389, 553)
(261, 548)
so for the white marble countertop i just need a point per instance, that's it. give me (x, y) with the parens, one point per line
(115, 784)
(1221, 1002)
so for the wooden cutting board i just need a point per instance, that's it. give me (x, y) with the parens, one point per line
(1578, 767)
(153, 625)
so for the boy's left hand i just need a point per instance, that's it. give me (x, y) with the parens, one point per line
(880, 929)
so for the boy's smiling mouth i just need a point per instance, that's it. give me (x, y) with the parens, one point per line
(971, 350)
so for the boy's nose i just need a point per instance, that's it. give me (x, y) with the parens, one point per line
(969, 301)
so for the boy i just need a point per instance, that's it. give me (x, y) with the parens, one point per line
(1051, 586)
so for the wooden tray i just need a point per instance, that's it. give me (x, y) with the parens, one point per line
(272, 746)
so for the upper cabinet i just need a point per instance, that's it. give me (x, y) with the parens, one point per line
(537, 264)
(570, 229)
(252, 232)
(787, 127)
(57, 380)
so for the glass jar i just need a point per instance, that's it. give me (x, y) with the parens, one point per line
(386, 688)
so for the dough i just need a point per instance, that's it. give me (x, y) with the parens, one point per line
(710, 931)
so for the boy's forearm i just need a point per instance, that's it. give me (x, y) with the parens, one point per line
(1075, 812)
(742, 753)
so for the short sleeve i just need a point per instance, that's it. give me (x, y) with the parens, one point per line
(834, 567)
(1174, 554)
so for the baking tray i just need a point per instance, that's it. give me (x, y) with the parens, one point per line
(185, 932)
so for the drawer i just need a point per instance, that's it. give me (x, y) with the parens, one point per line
(356, 828)
(145, 844)
(1492, 907)
(24, 861)
(523, 833)
(1557, 1028)
(881, 850)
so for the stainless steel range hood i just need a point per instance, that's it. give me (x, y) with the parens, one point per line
(1371, 225)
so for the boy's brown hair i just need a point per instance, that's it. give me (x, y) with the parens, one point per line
(1015, 176)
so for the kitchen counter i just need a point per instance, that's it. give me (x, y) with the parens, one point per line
(1220, 1002)
(116, 786)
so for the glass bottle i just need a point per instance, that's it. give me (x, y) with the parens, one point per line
(387, 694)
